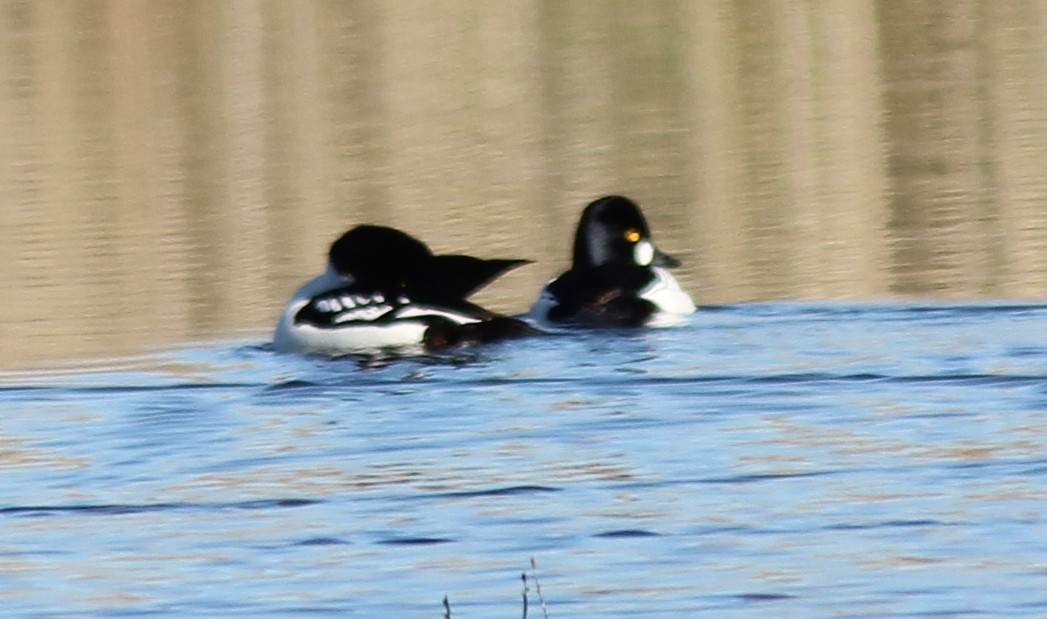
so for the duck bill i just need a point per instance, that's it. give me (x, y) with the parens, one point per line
(662, 259)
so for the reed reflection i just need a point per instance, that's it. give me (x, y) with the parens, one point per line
(171, 171)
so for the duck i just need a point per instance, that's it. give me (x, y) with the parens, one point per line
(383, 289)
(618, 277)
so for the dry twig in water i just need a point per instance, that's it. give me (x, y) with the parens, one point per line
(537, 590)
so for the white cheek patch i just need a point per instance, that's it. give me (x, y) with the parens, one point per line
(643, 253)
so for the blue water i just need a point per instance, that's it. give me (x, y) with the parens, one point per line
(766, 460)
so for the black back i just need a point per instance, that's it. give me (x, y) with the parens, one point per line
(394, 263)
(602, 296)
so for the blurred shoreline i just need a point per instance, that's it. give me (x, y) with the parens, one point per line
(173, 171)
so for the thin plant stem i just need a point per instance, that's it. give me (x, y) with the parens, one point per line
(538, 588)
(523, 577)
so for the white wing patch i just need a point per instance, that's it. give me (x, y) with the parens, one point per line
(421, 311)
(364, 313)
(348, 307)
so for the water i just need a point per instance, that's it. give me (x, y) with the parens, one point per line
(172, 171)
(781, 459)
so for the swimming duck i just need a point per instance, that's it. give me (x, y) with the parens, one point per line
(382, 289)
(618, 278)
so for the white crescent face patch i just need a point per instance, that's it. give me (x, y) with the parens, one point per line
(643, 253)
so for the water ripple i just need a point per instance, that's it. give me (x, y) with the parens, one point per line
(494, 492)
(123, 509)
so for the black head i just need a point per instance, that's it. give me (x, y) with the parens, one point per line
(613, 231)
(391, 261)
(377, 255)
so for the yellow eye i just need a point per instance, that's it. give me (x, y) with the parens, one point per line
(632, 235)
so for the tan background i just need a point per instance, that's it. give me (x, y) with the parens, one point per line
(172, 170)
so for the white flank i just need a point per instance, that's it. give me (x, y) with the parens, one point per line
(539, 312)
(673, 304)
(407, 330)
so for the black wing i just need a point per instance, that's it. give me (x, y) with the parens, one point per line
(452, 278)
(604, 296)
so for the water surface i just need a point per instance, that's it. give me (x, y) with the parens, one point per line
(780, 459)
